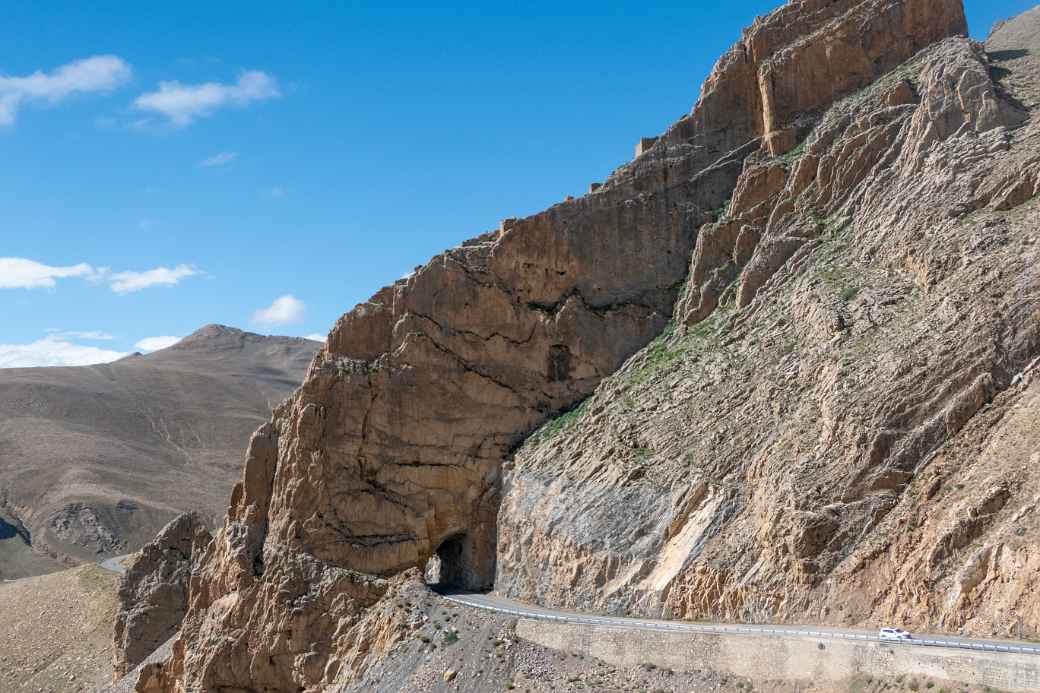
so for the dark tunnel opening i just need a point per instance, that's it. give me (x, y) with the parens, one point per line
(454, 566)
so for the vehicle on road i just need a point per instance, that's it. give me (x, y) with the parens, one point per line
(893, 634)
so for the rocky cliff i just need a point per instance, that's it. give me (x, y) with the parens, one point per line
(819, 290)
(153, 593)
(842, 425)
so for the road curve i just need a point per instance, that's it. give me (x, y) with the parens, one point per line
(490, 602)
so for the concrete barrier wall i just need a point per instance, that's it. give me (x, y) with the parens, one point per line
(788, 658)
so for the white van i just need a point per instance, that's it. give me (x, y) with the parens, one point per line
(893, 634)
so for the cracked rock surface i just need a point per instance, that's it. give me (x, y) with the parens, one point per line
(842, 424)
(849, 204)
(153, 593)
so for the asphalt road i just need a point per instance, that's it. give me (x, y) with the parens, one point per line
(491, 602)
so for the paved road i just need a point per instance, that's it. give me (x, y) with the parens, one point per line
(507, 606)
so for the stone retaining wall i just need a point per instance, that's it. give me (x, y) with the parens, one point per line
(764, 658)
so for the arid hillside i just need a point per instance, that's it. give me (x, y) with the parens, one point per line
(94, 460)
(55, 634)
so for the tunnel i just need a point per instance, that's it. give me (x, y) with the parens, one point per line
(457, 565)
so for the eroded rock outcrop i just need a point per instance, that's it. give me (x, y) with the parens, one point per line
(392, 450)
(153, 594)
(842, 427)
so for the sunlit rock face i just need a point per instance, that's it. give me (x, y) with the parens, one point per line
(708, 476)
(842, 427)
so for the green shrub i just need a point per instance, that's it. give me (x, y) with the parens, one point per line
(555, 426)
(849, 293)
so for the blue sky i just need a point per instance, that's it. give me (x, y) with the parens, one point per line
(269, 165)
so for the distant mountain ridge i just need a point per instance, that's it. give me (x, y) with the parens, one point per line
(95, 459)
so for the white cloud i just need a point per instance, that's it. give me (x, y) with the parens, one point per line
(183, 103)
(315, 337)
(128, 282)
(99, 73)
(53, 350)
(94, 335)
(221, 159)
(21, 273)
(156, 343)
(284, 310)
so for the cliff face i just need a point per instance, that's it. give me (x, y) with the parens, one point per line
(153, 593)
(735, 465)
(843, 425)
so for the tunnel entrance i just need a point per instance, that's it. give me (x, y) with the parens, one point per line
(456, 564)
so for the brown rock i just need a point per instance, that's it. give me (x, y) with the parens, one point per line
(153, 594)
(391, 452)
(853, 440)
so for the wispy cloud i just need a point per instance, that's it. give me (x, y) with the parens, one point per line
(315, 337)
(22, 273)
(184, 103)
(99, 73)
(156, 343)
(285, 309)
(221, 159)
(277, 192)
(128, 282)
(54, 350)
(93, 335)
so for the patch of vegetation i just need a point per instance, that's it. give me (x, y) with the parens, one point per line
(909, 71)
(790, 158)
(834, 226)
(643, 454)
(450, 638)
(849, 293)
(723, 211)
(670, 348)
(554, 427)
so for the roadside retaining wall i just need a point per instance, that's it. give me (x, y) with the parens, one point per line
(764, 658)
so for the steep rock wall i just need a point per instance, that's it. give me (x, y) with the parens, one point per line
(392, 450)
(841, 427)
(153, 593)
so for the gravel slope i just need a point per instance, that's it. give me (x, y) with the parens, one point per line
(56, 631)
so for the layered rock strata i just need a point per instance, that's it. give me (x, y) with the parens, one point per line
(392, 451)
(842, 426)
